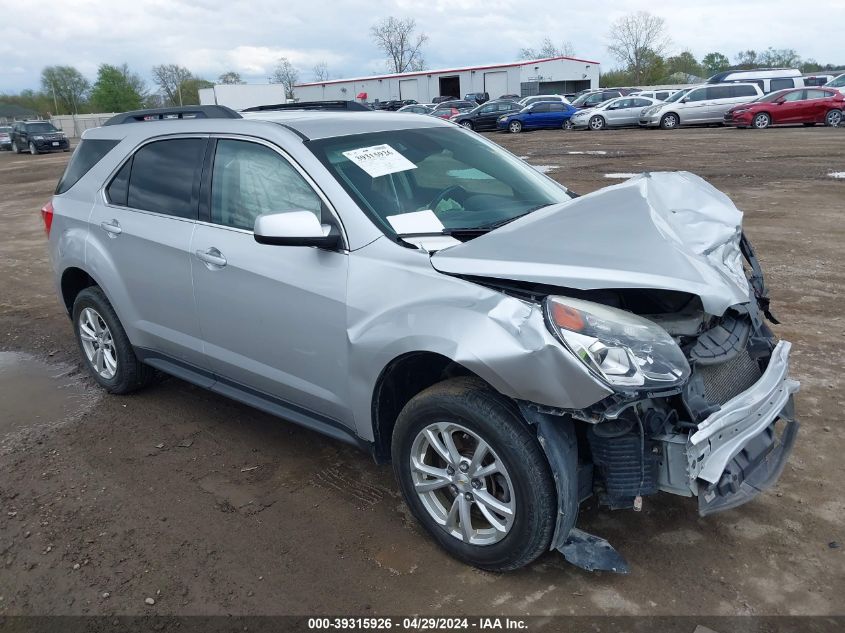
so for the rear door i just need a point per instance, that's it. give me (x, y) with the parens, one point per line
(486, 116)
(141, 231)
(273, 318)
(538, 116)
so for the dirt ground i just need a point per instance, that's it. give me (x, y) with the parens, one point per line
(209, 507)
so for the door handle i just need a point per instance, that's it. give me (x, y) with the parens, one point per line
(212, 257)
(112, 227)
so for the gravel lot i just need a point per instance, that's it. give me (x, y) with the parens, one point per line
(209, 507)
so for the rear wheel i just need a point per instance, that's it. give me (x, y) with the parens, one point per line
(596, 123)
(567, 125)
(474, 475)
(467, 124)
(833, 118)
(515, 127)
(762, 121)
(106, 349)
(669, 121)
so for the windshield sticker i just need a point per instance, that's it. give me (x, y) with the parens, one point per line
(416, 222)
(379, 160)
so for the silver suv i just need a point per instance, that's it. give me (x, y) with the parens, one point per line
(407, 286)
(699, 105)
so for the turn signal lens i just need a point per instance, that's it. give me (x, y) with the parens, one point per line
(567, 317)
(47, 216)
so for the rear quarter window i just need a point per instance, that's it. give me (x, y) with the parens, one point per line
(780, 84)
(88, 153)
(743, 91)
(165, 177)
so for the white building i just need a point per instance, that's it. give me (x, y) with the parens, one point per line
(551, 75)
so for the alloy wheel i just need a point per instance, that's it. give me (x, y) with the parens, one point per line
(462, 483)
(97, 343)
(466, 124)
(32, 149)
(761, 121)
(596, 123)
(515, 127)
(834, 118)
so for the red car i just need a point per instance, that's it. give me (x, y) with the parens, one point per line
(806, 105)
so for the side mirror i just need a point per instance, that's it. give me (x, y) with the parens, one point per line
(780, 101)
(684, 100)
(295, 228)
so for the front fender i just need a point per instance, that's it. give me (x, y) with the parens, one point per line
(399, 304)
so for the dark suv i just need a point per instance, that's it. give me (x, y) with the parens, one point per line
(478, 97)
(38, 137)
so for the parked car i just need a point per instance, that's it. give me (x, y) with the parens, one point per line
(618, 112)
(817, 80)
(6, 137)
(522, 349)
(544, 114)
(807, 105)
(769, 79)
(443, 98)
(593, 98)
(38, 137)
(478, 97)
(445, 113)
(418, 108)
(394, 104)
(485, 116)
(527, 101)
(699, 105)
(660, 95)
(837, 82)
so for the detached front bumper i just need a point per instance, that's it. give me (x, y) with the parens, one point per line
(736, 453)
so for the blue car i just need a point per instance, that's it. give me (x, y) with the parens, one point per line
(543, 114)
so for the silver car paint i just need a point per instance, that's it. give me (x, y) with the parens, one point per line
(664, 230)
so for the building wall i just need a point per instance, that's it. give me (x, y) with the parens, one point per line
(422, 87)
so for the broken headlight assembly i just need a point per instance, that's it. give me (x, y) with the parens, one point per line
(622, 349)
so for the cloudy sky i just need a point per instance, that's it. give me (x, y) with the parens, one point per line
(212, 36)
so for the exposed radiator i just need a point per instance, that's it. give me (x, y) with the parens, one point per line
(726, 380)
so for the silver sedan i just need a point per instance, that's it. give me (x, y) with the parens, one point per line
(617, 112)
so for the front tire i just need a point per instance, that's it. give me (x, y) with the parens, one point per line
(833, 118)
(32, 149)
(762, 121)
(514, 127)
(669, 121)
(596, 123)
(106, 350)
(15, 148)
(474, 475)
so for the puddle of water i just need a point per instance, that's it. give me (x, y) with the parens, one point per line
(623, 176)
(35, 394)
(837, 174)
(597, 152)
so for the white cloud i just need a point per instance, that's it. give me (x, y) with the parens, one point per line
(211, 36)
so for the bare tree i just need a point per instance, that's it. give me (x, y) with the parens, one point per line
(548, 49)
(285, 74)
(66, 85)
(321, 71)
(636, 39)
(169, 78)
(230, 77)
(399, 43)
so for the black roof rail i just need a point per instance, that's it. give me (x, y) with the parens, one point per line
(179, 112)
(350, 106)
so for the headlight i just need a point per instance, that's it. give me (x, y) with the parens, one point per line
(651, 110)
(620, 348)
(742, 111)
(37, 138)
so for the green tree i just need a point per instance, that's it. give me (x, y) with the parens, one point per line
(117, 89)
(190, 90)
(715, 63)
(685, 64)
(66, 86)
(230, 77)
(746, 60)
(779, 58)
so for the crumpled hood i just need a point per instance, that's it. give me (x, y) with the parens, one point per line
(662, 230)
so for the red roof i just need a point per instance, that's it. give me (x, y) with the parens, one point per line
(439, 71)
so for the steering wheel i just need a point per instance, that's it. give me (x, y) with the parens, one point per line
(447, 193)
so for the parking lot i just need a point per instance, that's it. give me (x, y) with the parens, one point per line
(206, 506)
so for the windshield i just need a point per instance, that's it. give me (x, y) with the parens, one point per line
(839, 82)
(40, 128)
(677, 95)
(580, 100)
(465, 180)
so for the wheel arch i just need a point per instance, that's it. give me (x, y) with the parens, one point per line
(73, 281)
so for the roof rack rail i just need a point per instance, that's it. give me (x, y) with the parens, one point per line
(352, 106)
(180, 112)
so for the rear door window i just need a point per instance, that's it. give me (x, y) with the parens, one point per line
(780, 84)
(88, 153)
(165, 177)
(719, 92)
(817, 94)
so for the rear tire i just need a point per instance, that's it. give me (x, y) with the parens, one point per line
(467, 125)
(468, 412)
(669, 121)
(92, 306)
(833, 118)
(567, 125)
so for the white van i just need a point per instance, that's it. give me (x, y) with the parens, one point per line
(661, 94)
(702, 104)
(769, 79)
(838, 83)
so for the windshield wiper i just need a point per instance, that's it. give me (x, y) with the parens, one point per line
(486, 228)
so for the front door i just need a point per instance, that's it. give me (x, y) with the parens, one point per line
(273, 318)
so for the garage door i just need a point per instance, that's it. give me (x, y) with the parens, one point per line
(496, 84)
(408, 89)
